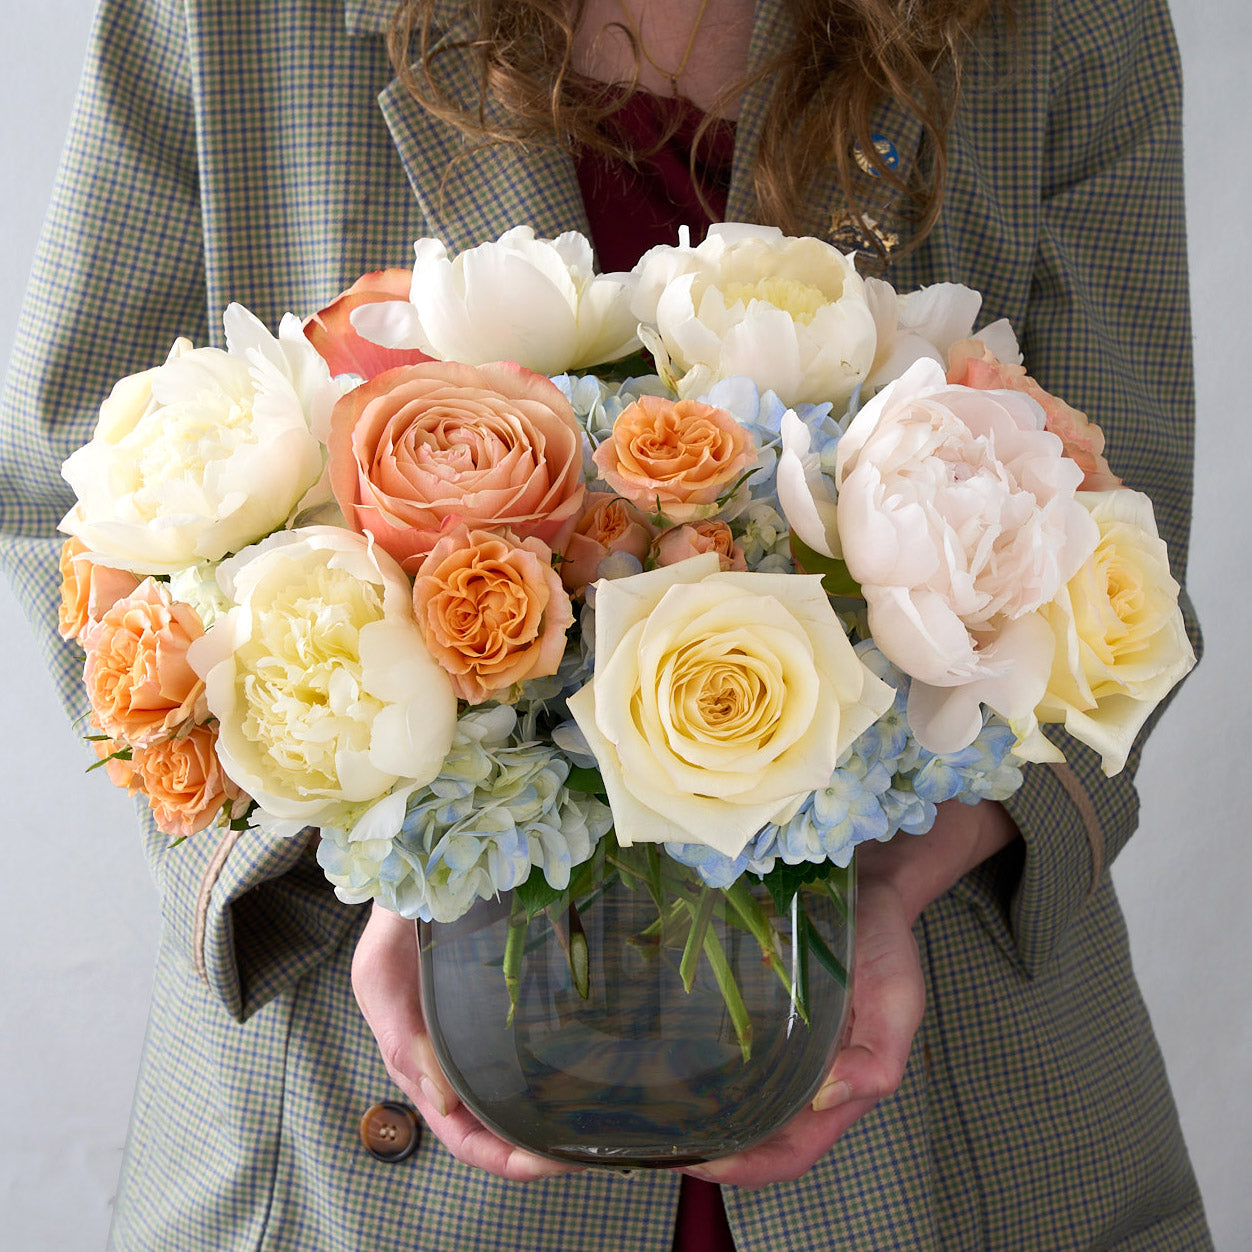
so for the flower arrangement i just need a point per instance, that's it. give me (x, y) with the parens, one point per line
(506, 575)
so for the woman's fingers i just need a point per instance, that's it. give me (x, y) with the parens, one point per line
(386, 977)
(887, 1001)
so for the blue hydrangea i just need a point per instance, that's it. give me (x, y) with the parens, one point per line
(498, 810)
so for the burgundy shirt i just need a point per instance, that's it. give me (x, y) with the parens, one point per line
(634, 209)
(631, 210)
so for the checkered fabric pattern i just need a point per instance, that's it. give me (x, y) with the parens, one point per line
(258, 150)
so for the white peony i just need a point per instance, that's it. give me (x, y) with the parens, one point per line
(205, 454)
(326, 696)
(790, 314)
(720, 701)
(537, 302)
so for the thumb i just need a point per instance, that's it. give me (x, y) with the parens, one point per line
(888, 1000)
(386, 979)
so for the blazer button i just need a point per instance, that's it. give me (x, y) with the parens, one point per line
(390, 1130)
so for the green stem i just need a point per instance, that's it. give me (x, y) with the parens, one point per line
(514, 946)
(730, 992)
(701, 915)
(754, 917)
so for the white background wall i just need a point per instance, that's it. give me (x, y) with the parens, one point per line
(78, 916)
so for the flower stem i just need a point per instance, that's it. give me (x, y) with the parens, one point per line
(701, 914)
(514, 944)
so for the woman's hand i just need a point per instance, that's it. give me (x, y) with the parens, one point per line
(895, 881)
(386, 978)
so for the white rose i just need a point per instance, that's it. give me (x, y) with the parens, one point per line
(326, 696)
(956, 514)
(720, 700)
(537, 302)
(1121, 643)
(790, 314)
(204, 454)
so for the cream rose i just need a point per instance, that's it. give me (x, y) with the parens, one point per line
(790, 314)
(421, 449)
(719, 701)
(325, 693)
(492, 610)
(205, 454)
(956, 514)
(534, 301)
(674, 458)
(1121, 643)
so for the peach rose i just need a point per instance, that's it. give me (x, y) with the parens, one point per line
(492, 610)
(183, 781)
(972, 364)
(680, 542)
(137, 677)
(608, 524)
(88, 590)
(116, 760)
(419, 450)
(331, 332)
(674, 456)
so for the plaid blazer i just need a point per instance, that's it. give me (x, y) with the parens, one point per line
(261, 151)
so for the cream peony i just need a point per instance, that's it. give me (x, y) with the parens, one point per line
(534, 301)
(325, 693)
(790, 314)
(205, 454)
(1121, 643)
(719, 701)
(956, 514)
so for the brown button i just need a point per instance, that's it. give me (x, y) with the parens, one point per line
(390, 1131)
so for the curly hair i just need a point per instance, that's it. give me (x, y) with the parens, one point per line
(846, 58)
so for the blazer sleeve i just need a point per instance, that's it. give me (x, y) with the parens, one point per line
(1107, 327)
(118, 274)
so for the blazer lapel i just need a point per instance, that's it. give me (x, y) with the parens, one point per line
(823, 211)
(470, 194)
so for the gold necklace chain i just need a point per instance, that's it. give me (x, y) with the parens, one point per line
(637, 31)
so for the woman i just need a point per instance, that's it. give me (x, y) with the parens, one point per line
(269, 153)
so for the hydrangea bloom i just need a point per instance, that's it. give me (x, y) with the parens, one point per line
(498, 808)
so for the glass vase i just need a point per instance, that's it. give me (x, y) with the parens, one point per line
(656, 1022)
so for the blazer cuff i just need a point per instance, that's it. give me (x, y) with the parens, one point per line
(1073, 820)
(249, 913)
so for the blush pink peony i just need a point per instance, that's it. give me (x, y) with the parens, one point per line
(973, 364)
(957, 515)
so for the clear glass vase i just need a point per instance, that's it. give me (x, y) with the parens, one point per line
(657, 1022)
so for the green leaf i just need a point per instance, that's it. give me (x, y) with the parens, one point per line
(783, 881)
(122, 754)
(637, 365)
(586, 779)
(836, 580)
(536, 894)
